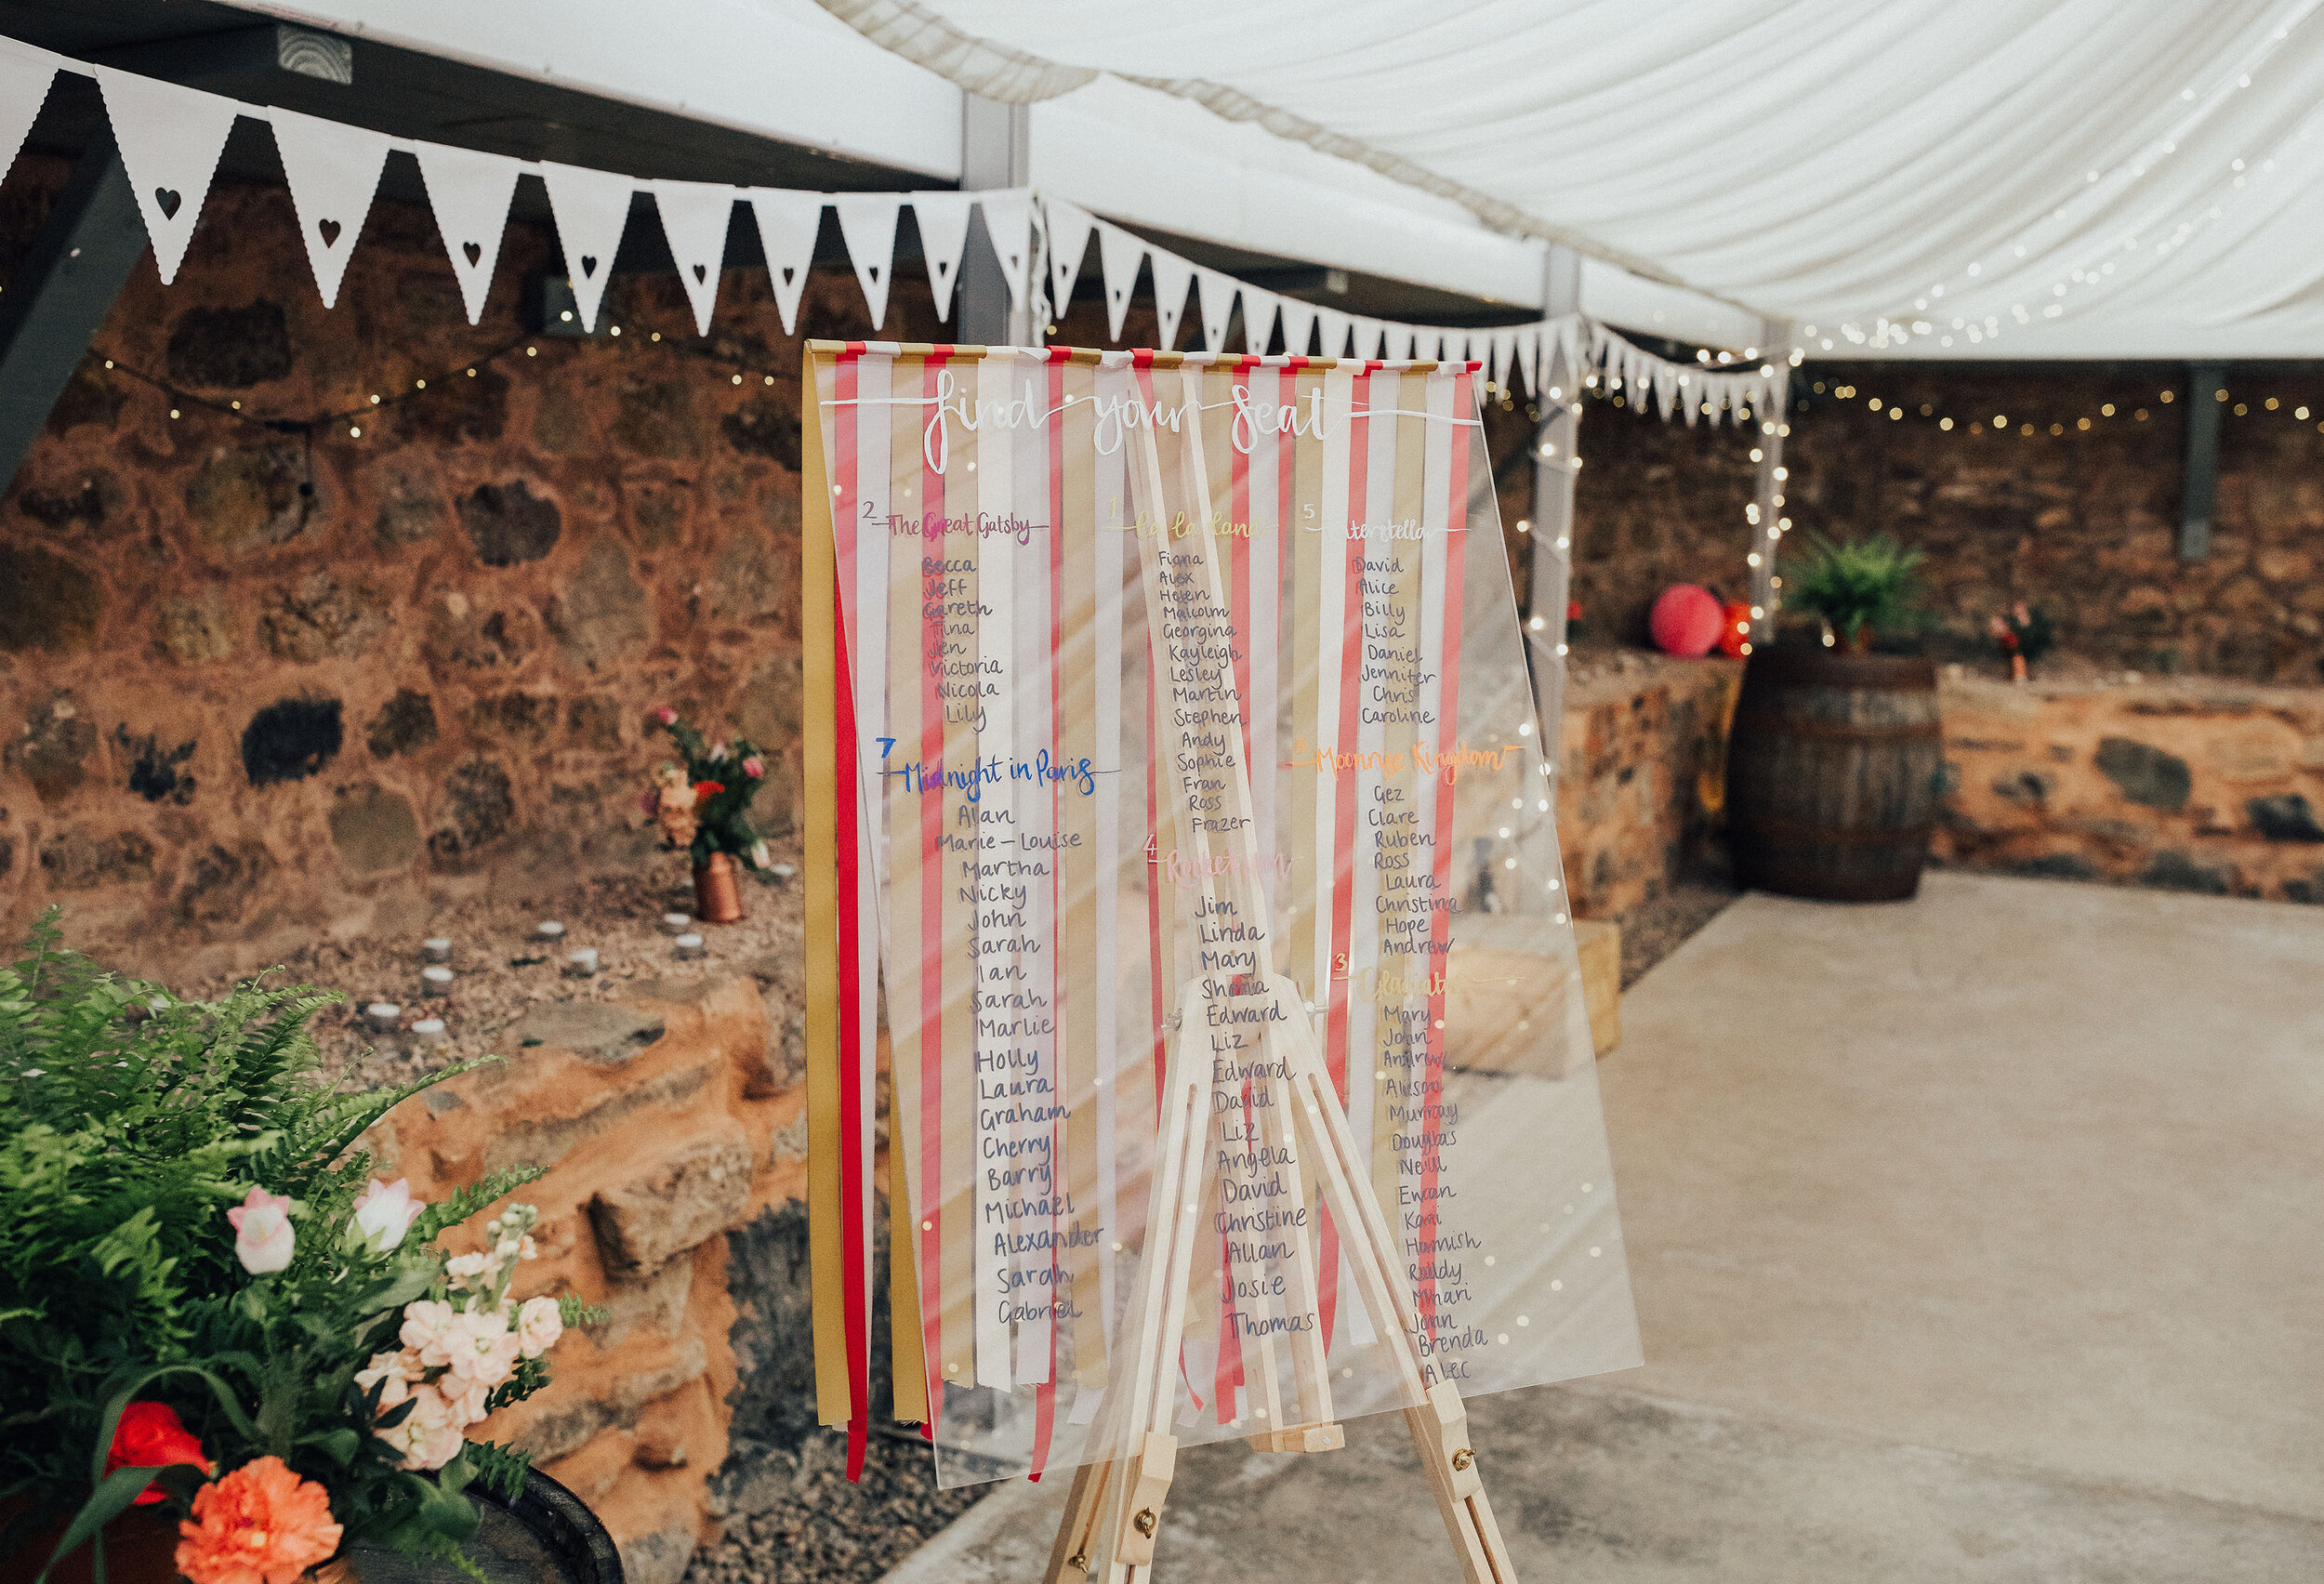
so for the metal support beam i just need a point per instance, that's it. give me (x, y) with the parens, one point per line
(62, 291)
(1766, 522)
(1555, 455)
(996, 151)
(2206, 388)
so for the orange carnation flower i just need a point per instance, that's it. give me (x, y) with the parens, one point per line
(260, 1524)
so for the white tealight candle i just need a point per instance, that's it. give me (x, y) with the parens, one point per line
(427, 1031)
(437, 948)
(582, 962)
(676, 923)
(690, 945)
(435, 981)
(384, 1015)
(549, 930)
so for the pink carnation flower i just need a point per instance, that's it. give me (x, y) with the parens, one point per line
(754, 767)
(263, 1238)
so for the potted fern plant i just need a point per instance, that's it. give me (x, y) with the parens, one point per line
(228, 1353)
(1835, 762)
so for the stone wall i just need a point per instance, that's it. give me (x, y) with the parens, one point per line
(2190, 786)
(258, 684)
(2080, 520)
(1643, 776)
(672, 1125)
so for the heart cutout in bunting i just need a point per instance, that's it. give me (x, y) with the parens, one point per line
(1069, 228)
(943, 221)
(1259, 320)
(469, 190)
(169, 138)
(1008, 224)
(1119, 254)
(696, 217)
(868, 223)
(592, 210)
(1218, 307)
(333, 171)
(1298, 320)
(788, 226)
(1173, 276)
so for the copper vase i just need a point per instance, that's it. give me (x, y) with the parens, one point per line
(717, 891)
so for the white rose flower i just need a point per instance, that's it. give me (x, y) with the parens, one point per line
(539, 1324)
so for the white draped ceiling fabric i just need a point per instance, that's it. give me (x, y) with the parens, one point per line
(1910, 178)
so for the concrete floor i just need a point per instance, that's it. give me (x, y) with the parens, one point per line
(1974, 1238)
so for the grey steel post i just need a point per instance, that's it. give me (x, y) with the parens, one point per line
(1766, 521)
(995, 151)
(2206, 386)
(1554, 459)
(60, 292)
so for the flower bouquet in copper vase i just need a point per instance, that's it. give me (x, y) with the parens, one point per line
(702, 805)
(212, 1315)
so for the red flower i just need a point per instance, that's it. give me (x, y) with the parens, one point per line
(152, 1436)
(708, 789)
(1573, 610)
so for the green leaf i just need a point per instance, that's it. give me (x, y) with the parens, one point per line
(108, 1501)
(341, 1445)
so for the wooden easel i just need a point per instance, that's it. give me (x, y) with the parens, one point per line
(1115, 1508)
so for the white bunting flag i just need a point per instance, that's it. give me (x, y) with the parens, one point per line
(333, 170)
(469, 192)
(1505, 359)
(169, 138)
(943, 220)
(1367, 333)
(1259, 320)
(1299, 318)
(25, 73)
(592, 209)
(1173, 276)
(695, 215)
(1218, 307)
(868, 223)
(1334, 325)
(1530, 347)
(788, 224)
(1118, 255)
(1069, 228)
(1008, 221)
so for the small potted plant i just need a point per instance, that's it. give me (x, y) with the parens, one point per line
(702, 805)
(1834, 766)
(228, 1353)
(2024, 636)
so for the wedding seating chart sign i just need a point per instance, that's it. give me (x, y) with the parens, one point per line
(1136, 674)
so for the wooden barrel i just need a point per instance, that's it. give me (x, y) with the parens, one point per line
(1834, 769)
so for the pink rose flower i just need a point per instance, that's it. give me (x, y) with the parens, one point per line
(666, 715)
(430, 1435)
(754, 767)
(481, 1347)
(263, 1238)
(427, 1331)
(539, 1324)
(383, 1212)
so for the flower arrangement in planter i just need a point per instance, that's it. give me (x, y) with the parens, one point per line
(211, 1310)
(702, 805)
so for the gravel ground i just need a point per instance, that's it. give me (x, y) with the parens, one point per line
(501, 970)
(1654, 929)
(826, 1531)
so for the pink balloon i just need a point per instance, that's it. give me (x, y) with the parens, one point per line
(1686, 620)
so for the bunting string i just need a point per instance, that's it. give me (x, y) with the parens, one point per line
(170, 137)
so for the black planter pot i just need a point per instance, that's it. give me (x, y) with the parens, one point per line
(1834, 774)
(545, 1536)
